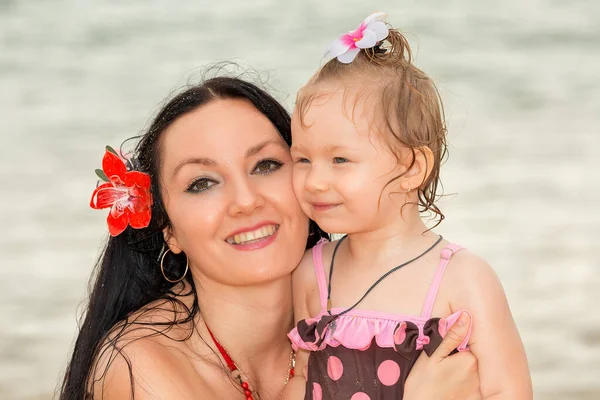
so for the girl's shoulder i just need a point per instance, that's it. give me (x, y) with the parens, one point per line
(469, 276)
(313, 267)
(316, 260)
(465, 263)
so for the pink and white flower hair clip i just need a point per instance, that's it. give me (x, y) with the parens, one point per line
(369, 33)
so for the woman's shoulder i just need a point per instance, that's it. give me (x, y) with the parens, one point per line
(149, 368)
(150, 355)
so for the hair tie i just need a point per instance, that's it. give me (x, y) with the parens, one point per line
(369, 34)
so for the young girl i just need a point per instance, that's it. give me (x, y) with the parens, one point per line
(368, 139)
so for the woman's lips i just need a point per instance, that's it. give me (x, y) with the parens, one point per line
(254, 238)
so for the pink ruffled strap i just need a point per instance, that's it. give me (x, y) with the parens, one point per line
(348, 330)
(436, 330)
(313, 334)
(356, 332)
(408, 338)
(446, 255)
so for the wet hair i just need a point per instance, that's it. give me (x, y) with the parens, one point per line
(407, 101)
(127, 277)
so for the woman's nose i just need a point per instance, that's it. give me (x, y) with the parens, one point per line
(246, 197)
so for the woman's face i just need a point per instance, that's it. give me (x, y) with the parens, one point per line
(226, 177)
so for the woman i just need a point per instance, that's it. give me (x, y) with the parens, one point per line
(225, 224)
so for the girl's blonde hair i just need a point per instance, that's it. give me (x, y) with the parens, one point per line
(410, 102)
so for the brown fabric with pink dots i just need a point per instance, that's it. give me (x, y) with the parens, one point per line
(373, 373)
(366, 355)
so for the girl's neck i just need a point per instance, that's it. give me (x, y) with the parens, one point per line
(399, 235)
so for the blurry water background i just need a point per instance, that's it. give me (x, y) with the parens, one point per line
(521, 83)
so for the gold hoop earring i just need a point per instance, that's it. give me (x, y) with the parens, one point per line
(407, 193)
(162, 268)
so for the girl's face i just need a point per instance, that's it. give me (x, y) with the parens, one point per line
(341, 166)
(226, 177)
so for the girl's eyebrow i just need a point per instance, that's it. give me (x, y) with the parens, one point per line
(331, 148)
(328, 149)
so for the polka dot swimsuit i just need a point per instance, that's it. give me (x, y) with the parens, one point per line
(367, 355)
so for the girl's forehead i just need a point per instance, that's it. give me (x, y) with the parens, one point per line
(339, 110)
(349, 100)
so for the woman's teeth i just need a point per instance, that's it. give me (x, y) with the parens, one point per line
(246, 237)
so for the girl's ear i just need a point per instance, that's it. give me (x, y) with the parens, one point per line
(417, 173)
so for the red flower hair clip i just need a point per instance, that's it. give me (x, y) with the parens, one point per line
(126, 193)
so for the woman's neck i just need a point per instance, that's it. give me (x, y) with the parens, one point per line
(250, 322)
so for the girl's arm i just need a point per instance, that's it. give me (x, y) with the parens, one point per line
(494, 341)
(303, 283)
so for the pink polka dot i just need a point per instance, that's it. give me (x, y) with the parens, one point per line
(335, 369)
(388, 372)
(360, 396)
(317, 391)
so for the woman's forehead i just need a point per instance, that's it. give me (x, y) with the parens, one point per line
(228, 127)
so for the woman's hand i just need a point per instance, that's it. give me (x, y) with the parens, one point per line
(444, 377)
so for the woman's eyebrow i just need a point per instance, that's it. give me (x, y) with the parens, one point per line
(252, 151)
(209, 162)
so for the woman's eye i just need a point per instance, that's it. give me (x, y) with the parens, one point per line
(340, 160)
(267, 166)
(200, 185)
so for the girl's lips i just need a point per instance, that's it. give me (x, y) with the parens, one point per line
(323, 206)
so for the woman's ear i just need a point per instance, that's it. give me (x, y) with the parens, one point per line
(417, 173)
(171, 240)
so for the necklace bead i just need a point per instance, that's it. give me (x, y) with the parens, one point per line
(236, 373)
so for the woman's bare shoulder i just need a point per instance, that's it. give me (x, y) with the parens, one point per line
(148, 368)
(150, 355)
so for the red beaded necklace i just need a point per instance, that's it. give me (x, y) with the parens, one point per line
(235, 371)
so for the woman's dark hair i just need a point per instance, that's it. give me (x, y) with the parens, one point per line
(127, 276)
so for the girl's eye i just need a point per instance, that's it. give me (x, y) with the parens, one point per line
(340, 160)
(200, 185)
(302, 160)
(267, 166)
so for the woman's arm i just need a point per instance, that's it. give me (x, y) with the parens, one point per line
(494, 341)
(442, 376)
